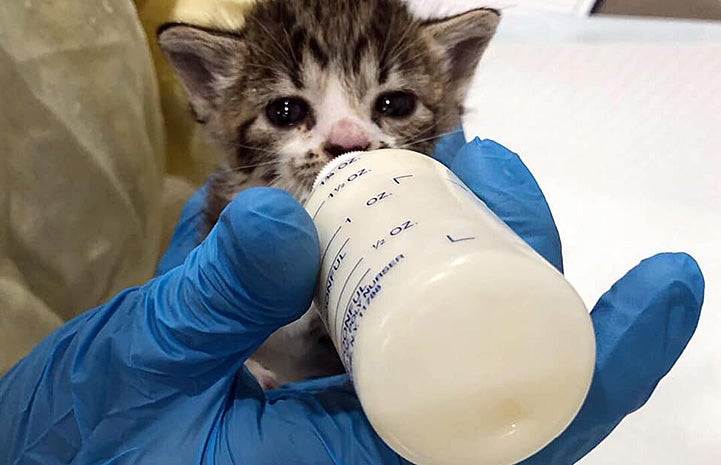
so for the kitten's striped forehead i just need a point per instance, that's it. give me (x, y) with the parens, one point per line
(364, 40)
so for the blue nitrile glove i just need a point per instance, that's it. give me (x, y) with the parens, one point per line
(154, 376)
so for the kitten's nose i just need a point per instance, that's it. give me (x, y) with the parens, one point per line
(346, 136)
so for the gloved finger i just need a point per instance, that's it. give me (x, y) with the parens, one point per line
(642, 326)
(319, 422)
(255, 272)
(449, 145)
(187, 235)
(499, 178)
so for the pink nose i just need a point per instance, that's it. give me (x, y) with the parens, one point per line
(346, 136)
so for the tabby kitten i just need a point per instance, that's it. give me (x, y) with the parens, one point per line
(307, 80)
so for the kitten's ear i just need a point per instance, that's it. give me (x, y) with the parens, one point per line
(203, 59)
(463, 39)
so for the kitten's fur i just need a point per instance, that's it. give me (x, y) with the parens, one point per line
(338, 56)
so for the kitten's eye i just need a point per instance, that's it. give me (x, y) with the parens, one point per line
(286, 112)
(396, 104)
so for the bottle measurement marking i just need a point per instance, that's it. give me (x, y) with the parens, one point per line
(337, 169)
(453, 240)
(330, 242)
(343, 343)
(345, 284)
(408, 224)
(357, 175)
(340, 250)
(377, 198)
(355, 288)
(359, 303)
(336, 190)
(339, 187)
(330, 279)
(318, 209)
(397, 178)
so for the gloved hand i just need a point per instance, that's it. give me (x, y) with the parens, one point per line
(155, 376)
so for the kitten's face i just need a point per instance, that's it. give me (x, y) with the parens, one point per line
(307, 80)
(303, 82)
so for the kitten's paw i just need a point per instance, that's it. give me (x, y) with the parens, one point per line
(264, 376)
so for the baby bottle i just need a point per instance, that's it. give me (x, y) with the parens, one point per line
(464, 345)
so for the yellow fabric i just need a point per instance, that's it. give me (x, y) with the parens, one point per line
(81, 163)
(98, 154)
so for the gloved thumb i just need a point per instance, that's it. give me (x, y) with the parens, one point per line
(255, 272)
(259, 263)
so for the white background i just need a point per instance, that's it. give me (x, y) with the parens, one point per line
(509, 7)
(620, 121)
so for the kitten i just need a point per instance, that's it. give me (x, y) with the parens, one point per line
(307, 80)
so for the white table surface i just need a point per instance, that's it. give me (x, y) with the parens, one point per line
(620, 121)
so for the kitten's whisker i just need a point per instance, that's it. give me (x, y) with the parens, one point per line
(410, 59)
(386, 42)
(398, 51)
(392, 52)
(271, 68)
(412, 143)
(246, 167)
(259, 149)
(426, 139)
(433, 126)
(258, 49)
(401, 51)
(275, 182)
(272, 39)
(290, 43)
(420, 134)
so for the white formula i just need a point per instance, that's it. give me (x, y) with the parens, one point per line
(464, 345)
